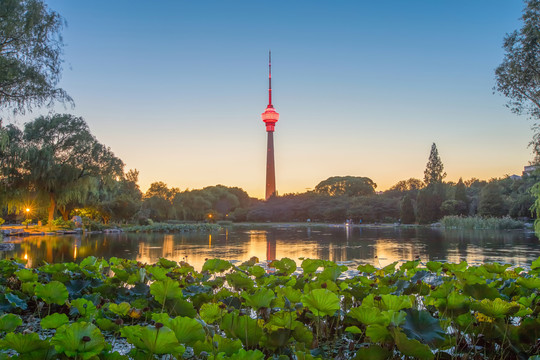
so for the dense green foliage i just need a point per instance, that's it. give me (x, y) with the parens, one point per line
(421, 310)
(519, 74)
(30, 55)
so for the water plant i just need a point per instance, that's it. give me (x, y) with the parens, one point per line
(312, 310)
(481, 223)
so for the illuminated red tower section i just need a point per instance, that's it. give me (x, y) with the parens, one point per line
(270, 117)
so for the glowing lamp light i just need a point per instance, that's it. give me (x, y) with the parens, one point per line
(27, 210)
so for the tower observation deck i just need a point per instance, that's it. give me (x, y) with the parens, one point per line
(270, 116)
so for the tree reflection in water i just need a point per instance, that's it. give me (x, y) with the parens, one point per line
(355, 245)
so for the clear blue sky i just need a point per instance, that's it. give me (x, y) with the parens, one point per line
(176, 88)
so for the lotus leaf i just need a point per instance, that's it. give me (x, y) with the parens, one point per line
(29, 288)
(395, 318)
(257, 271)
(88, 261)
(394, 302)
(52, 293)
(434, 266)
(535, 265)
(69, 340)
(390, 268)
(9, 322)
(480, 291)
(367, 268)
(293, 295)
(331, 273)
(285, 265)
(26, 275)
(303, 335)
(168, 264)
(409, 265)
(310, 265)
(151, 340)
(227, 346)
(496, 268)
(420, 325)
(29, 346)
(497, 308)
(165, 289)
(54, 321)
(121, 309)
(373, 352)
(85, 307)
(282, 320)
(15, 301)
(76, 287)
(410, 347)
(454, 304)
(353, 330)
(530, 283)
(216, 266)
(188, 331)
(247, 355)
(304, 355)
(321, 302)
(242, 327)
(210, 312)
(180, 307)
(378, 333)
(368, 315)
(157, 272)
(238, 280)
(261, 298)
(106, 324)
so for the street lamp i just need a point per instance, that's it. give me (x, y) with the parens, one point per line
(27, 213)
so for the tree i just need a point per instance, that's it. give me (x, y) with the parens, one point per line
(518, 76)
(407, 211)
(12, 157)
(30, 55)
(65, 162)
(346, 185)
(158, 199)
(434, 168)
(491, 202)
(428, 204)
(461, 192)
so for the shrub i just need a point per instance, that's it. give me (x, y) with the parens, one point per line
(481, 223)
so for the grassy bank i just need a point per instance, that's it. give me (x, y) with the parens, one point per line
(422, 311)
(481, 223)
(166, 227)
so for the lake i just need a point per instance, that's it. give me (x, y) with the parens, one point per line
(351, 245)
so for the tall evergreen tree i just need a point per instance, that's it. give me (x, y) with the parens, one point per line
(434, 172)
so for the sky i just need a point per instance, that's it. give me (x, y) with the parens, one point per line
(363, 88)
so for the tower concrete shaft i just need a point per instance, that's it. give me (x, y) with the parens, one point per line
(270, 167)
(270, 117)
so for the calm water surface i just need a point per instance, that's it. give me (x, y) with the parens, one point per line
(352, 245)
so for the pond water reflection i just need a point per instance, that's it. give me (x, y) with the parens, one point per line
(377, 246)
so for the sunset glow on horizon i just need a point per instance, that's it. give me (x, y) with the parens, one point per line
(176, 89)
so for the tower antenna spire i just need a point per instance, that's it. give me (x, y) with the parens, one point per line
(269, 78)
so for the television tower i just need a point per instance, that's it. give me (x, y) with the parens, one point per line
(270, 117)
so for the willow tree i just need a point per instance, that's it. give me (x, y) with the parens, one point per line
(31, 49)
(66, 162)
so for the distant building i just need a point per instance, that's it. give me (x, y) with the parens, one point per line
(514, 177)
(529, 169)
